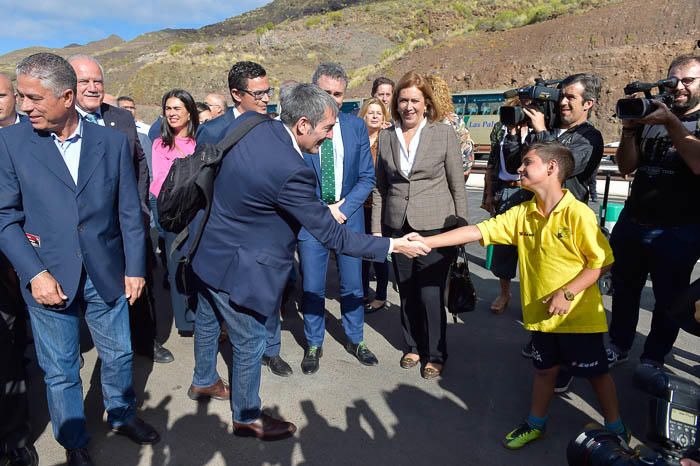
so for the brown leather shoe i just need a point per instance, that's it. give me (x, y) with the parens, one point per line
(219, 391)
(265, 428)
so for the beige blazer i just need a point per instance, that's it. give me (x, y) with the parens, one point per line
(433, 195)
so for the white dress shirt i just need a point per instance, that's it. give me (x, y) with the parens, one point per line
(408, 154)
(70, 149)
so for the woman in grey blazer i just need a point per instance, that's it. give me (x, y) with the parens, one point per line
(420, 187)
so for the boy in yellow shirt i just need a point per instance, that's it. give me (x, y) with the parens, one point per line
(561, 254)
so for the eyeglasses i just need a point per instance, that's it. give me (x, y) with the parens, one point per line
(258, 95)
(672, 82)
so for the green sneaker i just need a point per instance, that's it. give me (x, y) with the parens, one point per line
(521, 436)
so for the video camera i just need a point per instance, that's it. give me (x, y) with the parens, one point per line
(542, 95)
(672, 427)
(633, 107)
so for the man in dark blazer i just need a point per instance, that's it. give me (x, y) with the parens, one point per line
(263, 194)
(345, 179)
(250, 91)
(71, 226)
(91, 107)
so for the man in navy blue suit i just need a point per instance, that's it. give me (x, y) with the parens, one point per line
(251, 92)
(345, 176)
(71, 225)
(263, 194)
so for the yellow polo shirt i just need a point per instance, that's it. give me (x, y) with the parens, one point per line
(551, 252)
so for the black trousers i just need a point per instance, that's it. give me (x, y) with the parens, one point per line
(422, 289)
(14, 416)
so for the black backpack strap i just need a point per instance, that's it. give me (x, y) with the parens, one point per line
(206, 177)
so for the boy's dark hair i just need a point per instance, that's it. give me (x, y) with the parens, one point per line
(558, 152)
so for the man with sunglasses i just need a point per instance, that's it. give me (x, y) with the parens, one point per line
(658, 231)
(251, 92)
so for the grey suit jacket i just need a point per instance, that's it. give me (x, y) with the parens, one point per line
(432, 196)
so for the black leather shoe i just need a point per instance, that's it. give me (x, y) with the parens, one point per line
(362, 353)
(25, 456)
(309, 364)
(161, 355)
(277, 365)
(78, 457)
(138, 431)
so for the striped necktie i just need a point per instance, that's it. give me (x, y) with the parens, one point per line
(327, 172)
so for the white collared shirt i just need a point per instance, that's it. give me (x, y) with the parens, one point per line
(408, 154)
(294, 141)
(70, 150)
(338, 158)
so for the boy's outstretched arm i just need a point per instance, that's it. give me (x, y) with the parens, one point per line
(455, 237)
(558, 304)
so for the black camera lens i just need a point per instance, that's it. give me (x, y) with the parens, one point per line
(511, 116)
(633, 108)
(599, 447)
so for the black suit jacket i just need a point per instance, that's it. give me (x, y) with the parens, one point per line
(122, 120)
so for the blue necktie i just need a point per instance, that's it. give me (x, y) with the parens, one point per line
(91, 117)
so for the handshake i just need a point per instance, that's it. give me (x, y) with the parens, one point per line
(411, 245)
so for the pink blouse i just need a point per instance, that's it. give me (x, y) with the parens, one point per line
(163, 158)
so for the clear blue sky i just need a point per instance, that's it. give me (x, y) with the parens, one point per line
(57, 23)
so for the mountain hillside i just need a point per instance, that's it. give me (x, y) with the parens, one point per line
(473, 44)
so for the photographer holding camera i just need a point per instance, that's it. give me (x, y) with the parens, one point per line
(578, 94)
(658, 231)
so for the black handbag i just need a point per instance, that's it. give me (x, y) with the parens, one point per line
(461, 295)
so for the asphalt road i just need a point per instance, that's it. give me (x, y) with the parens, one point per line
(348, 414)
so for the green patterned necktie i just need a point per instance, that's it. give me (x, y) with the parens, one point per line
(327, 172)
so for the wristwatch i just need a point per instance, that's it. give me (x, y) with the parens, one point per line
(568, 295)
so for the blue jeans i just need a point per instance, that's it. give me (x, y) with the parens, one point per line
(314, 264)
(56, 337)
(246, 330)
(669, 255)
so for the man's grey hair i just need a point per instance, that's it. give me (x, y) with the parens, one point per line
(590, 83)
(82, 56)
(54, 72)
(285, 87)
(307, 100)
(330, 70)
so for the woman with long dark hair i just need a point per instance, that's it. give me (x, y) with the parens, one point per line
(177, 132)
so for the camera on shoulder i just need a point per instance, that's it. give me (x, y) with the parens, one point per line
(542, 95)
(634, 107)
(672, 426)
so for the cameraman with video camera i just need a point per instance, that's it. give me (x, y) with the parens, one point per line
(570, 126)
(658, 231)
